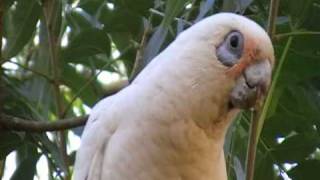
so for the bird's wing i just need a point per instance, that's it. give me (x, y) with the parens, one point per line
(94, 140)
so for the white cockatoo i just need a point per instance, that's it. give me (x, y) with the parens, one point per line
(170, 122)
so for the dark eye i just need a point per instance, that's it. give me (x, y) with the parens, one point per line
(230, 50)
(234, 41)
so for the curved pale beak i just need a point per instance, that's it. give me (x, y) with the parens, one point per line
(251, 85)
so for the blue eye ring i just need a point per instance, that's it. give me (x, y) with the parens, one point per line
(230, 50)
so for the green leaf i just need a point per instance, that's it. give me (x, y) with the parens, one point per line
(51, 148)
(312, 15)
(238, 168)
(19, 26)
(264, 167)
(87, 43)
(138, 6)
(27, 164)
(155, 43)
(94, 62)
(9, 141)
(308, 169)
(298, 10)
(236, 5)
(122, 40)
(80, 20)
(7, 4)
(120, 20)
(173, 8)
(205, 6)
(91, 6)
(76, 81)
(296, 148)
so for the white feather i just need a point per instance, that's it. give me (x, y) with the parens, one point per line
(171, 121)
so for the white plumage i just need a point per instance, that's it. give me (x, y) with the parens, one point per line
(169, 124)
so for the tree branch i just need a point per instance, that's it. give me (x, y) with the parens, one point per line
(18, 124)
(52, 13)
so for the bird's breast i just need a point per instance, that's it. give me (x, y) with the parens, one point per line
(178, 150)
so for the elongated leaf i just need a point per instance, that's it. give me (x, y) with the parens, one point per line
(293, 150)
(80, 20)
(155, 44)
(298, 10)
(27, 164)
(52, 149)
(87, 43)
(8, 142)
(236, 5)
(121, 20)
(173, 8)
(94, 62)
(7, 4)
(205, 6)
(20, 23)
(309, 169)
(264, 168)
(77, 81)
(239, 169)
(91, 6)
(138, 6)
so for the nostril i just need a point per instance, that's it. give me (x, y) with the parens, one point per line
(257, 75)
(250, 85)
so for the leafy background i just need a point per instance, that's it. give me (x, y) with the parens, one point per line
(59, 57)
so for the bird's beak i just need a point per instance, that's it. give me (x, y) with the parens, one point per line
(251, 85)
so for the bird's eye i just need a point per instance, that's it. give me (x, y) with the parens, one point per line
(230, 50)
(234, 41)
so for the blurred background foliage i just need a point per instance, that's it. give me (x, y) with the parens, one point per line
(59, 57)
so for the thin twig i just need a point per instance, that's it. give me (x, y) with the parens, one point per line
(18, 124)
(252, 145)
(77, 94)
(261, 114)
(273, 84)
(273, 13)
(297, 33)
(139, 56)
(1, 70)
(261, 108)
(33, 71)
(1, 27)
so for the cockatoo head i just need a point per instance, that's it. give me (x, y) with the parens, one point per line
(239, 49)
